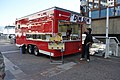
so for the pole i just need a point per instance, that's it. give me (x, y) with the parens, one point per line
(107, 38)
(90, 15)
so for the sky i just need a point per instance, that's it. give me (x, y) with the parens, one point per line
(12, 9)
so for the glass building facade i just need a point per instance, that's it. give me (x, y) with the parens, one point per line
(95, 14)
(99, 9)
(118, 1)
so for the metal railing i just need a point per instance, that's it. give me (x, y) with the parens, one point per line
(114, 46)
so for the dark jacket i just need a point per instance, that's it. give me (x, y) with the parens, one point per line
(88, 39)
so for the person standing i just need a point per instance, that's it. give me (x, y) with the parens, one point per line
(68, 33)
(87, 44)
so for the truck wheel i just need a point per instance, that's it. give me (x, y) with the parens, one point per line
(23, 49)
(36, 51)
(30, 49)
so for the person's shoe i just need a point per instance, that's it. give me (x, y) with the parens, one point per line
(81, 59)
(88, 60)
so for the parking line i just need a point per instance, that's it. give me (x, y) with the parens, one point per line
(58, 69)
(14, 69)
(10, 51)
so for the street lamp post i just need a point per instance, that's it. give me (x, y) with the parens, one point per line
(109, 3)
(107, 38)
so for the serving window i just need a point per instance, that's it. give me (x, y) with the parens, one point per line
(69, 30)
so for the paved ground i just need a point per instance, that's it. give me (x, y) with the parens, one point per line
(30, 67)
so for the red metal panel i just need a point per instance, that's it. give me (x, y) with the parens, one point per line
(70, 48)
(48, 27)
(62, 15)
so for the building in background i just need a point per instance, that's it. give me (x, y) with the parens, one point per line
(9, 30)
(98, 11)
(1, 30)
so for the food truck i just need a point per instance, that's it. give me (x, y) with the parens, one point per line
(50, 31)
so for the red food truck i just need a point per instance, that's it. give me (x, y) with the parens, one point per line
(50, 31)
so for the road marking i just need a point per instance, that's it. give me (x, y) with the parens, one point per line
(52, 72)
(6, 44)
(14, 69)
(10, 51)
(67, 65)
(57, 70)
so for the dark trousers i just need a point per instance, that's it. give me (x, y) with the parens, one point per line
(85, 52)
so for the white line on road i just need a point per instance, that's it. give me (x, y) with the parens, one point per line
(14, 69)
(6, 44)
(67, 65)
(57, 70)
(10, 51)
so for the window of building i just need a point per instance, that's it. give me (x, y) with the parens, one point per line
(96, 4)
(95, 14)
(118, 1)
(117, 11)
(102, 5)
(111, 11)
(103, 13)
(91, 4)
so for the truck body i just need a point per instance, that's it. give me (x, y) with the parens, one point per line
(33, 32)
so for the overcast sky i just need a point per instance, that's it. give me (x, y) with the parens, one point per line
(12, 9)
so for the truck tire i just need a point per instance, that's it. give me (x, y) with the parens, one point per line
(36, 51)
(23, 49)
(30, 49)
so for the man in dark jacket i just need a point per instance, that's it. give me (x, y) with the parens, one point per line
(87, 43)
(2, 67)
